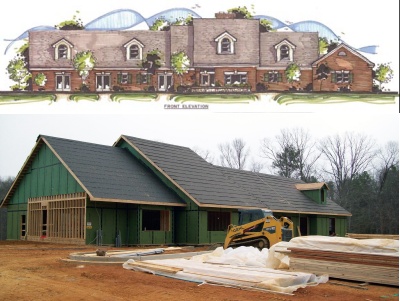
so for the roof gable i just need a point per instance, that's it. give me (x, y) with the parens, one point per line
(106, 173)
(340, 48)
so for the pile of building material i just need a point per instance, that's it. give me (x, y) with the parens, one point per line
(243, 267)
(366, 260)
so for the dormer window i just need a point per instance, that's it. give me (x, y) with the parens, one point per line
(134, 50)
(225, 43)
(285, 51)
(62, 50)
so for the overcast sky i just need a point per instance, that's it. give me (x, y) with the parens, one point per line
(202, 131)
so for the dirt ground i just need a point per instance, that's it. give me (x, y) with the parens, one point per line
(39, 271)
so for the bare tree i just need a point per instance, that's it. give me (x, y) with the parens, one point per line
(347, 156)
(256, 166)
(205, 154)
(293, 154)
(234, 154)
(388, 157)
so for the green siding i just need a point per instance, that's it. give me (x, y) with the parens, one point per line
(42, 178)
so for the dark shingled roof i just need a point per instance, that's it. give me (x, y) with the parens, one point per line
(108, 172)
(212, 185)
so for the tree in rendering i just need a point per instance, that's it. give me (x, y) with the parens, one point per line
(18, 72)
(383, 74)
(153, 61)
(180, 63)
(74, 24)
(322, 74)
(84, 62)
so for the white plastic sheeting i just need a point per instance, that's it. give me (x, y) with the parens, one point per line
(330, 243)
(240, 267)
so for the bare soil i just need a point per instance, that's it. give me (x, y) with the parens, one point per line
(40, 271)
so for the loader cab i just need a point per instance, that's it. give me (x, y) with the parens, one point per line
(250, 215)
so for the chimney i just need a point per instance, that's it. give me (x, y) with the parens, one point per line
(223, 15)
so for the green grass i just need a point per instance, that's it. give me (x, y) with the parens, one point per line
(332, 98)
(144, 97)
(84, 96)
(21, 98)
(215, 98)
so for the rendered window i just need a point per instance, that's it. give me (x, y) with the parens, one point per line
(103, 82)
(235, 78)
(62, 52)
(273, 77)
(342, 77)
(143, 78)
(207, 79)
(63, 82)
(124, 78)
(134, 52)
(218, 221)
(284, 50)
(225, 46)
(155, 220)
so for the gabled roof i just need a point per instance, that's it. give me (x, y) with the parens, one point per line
(246, 33)
(347, 47)
(213, 186)
(304, 55)
(107, 46)
(106, 173)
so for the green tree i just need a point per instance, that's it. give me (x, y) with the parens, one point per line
(287, 162)
(5, 184)
(180, 63)
(84, 62)
(153, 61)
(18, 72)
(383, 74)
(160, 24)
(241, 12)
(40, 79)
(293, 72)
(74, 24)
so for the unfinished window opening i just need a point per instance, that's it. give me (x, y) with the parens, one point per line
(218, 221)
(23, 226)
(60, 217)
(303, 226)
(332, 227)
(155, 220)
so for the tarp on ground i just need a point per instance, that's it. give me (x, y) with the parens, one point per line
(240, 267)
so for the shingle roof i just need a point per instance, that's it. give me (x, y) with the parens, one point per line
(211, 185)
(305, 54)
(110, 173)
(246, 32)
(107, 46)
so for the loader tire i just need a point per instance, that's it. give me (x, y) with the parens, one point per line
(262, 243)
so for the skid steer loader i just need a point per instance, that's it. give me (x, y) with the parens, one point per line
(258, 228)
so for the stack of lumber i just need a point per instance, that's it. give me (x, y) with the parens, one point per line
(372, 236)
(368, 267)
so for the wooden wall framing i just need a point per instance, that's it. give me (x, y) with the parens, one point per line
(58, 218)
